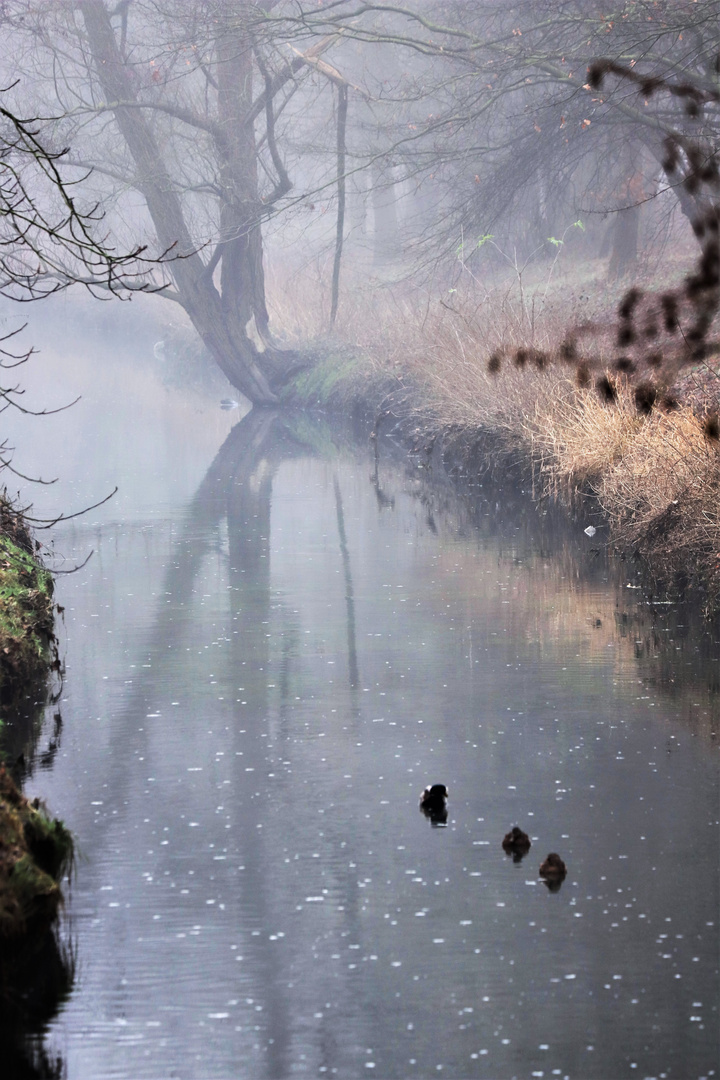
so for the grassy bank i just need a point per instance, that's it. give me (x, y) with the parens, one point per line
(425, 361)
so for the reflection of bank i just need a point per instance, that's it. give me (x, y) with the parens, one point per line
(34, 984)
(37, 971)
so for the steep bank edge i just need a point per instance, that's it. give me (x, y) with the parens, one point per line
(35, 849)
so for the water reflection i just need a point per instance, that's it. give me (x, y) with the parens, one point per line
(259, 687)
(35, 982)
(35, 977)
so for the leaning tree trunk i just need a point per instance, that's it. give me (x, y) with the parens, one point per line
(220, 317)
(242, 283)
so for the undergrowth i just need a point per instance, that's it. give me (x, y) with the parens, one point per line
(35, 852)
(26, 605)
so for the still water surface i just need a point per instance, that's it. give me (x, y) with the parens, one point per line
(278, 642)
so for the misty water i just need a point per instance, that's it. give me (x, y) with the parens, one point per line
(279, 640)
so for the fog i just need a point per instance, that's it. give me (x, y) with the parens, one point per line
(204, 139)
(277, 625)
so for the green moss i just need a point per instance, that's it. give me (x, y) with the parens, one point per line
(35, 895)
(26, 613)
(310, 430)
(35, 851)
(320, 383)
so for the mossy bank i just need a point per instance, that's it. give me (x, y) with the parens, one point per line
(35, 850)
(26, 606)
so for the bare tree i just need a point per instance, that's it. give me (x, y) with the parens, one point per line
(180, 103)
(47, 242)
(490, 107)
(495, 112)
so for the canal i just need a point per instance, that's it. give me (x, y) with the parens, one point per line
(284, 632)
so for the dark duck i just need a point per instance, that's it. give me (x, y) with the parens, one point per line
(433, 803)
(516, 843)
(553, 871)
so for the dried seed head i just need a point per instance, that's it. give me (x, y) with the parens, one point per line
(711, 427)
(568, 350)
(606, 388)
(645, 397)
(597, 72)
(669, 305)
(629, 303)
(672, 157)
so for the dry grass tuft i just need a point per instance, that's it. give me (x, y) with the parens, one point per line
(657, 477)
(579, 438)
(663, 497)
(432, 354)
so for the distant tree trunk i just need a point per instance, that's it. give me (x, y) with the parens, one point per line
(339, 235)
(625, 226)
(357, 205)
(386, 240)
(624, 236)
(219, 316)
(242, 277)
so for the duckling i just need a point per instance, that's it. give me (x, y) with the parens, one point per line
(553, 869)
(433, 803)
(516, 843)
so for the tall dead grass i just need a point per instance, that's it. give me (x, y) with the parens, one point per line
(576, 440)
(656, 477)
(664, 496)
(430, 352)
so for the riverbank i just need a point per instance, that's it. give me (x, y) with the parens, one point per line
(35, 849)
(426, 368)
(35, 852)
(26, 605)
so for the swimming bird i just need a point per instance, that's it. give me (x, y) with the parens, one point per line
(553, 869)
(516, 843)
(433, 803)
